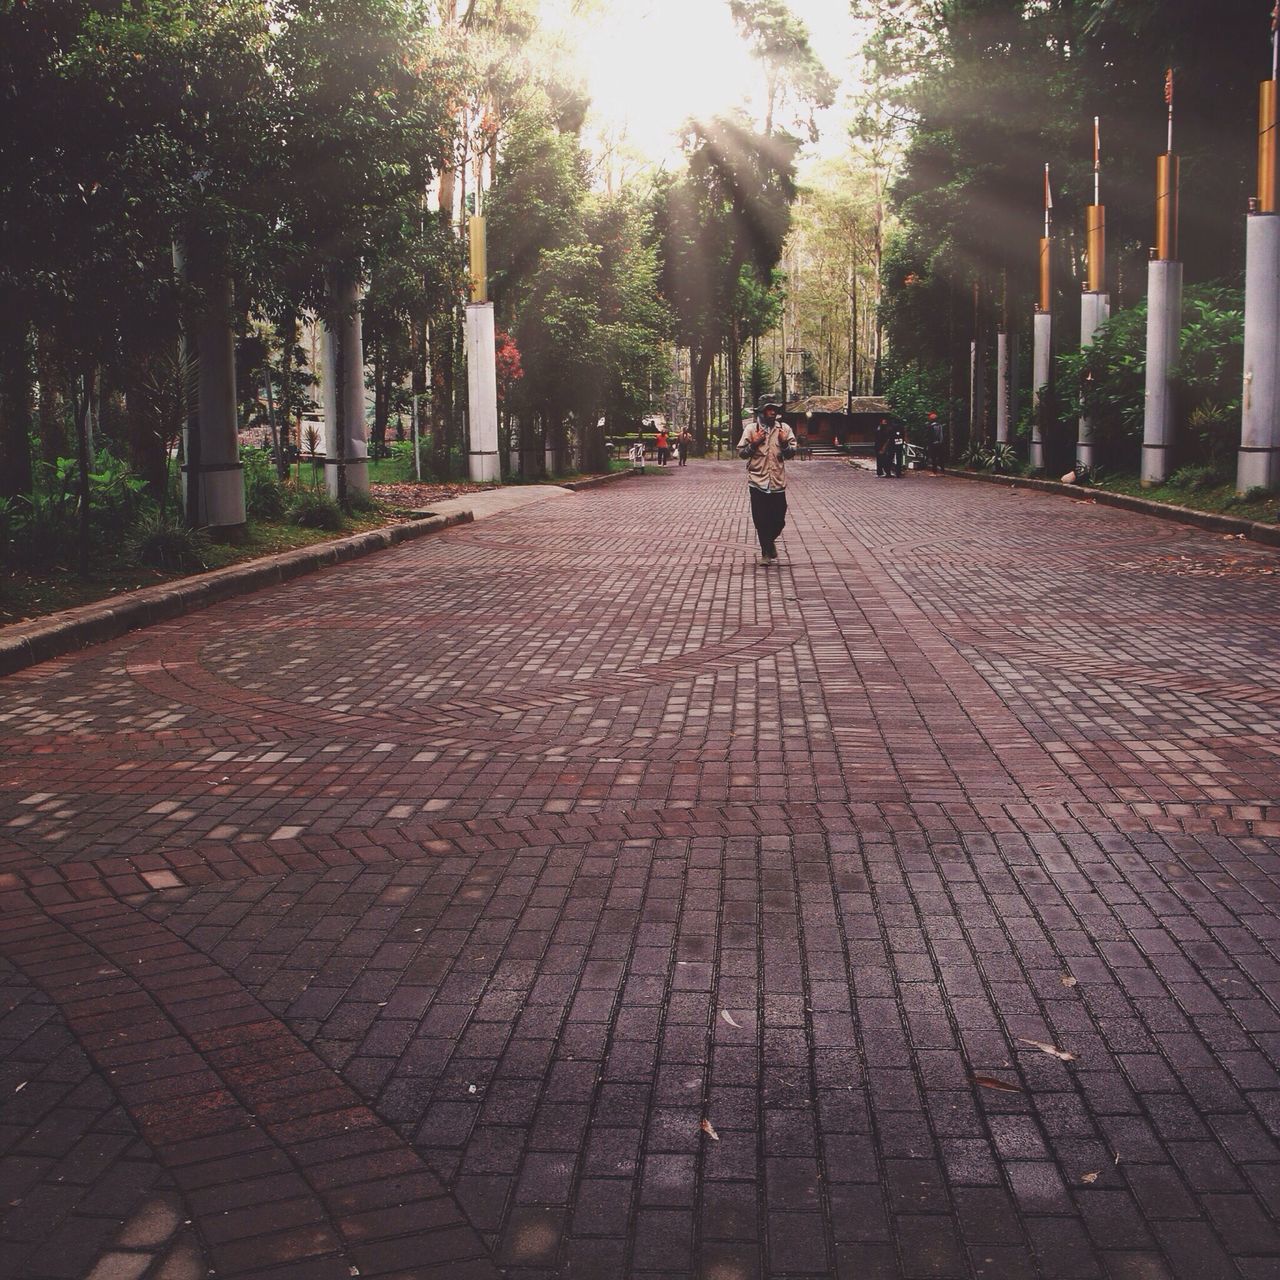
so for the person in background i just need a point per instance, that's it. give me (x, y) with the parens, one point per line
(684, 442)
(662, 445)
(898, 447)
(935, 443)
(884, 442)
(766, 445)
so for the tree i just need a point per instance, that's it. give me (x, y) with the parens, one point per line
(992, 89)
(793, 74)
(537, 206)
(364, 121)
(729, 210)
(634, 322)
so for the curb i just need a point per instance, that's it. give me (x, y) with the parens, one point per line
(23, 644)
(1253, 530)
(594, 482)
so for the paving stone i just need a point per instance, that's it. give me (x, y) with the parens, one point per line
(433, 959)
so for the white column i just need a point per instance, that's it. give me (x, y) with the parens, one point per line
(1002, 388)
(220, 473)
(344, 362)
(1258, 465)
(1042, 334)
(1164, 326)
(482, 394)
(1095, 308)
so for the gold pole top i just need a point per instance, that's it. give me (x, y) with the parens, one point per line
(479, 261)
(1095, 232)
(1267, 147)
(1166, 207)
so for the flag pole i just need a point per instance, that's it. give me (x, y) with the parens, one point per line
(1097, 160)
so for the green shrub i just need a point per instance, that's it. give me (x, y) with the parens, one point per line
(1252, 497)
(164, 542)
(42, 529)
(1002, 459)
(1199, 478)
(116, 496)
(402, 453)
(1107, 380)
(1214, 432)
(264, 498)
(314, 509)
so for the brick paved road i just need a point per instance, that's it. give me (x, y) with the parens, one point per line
(412, 918)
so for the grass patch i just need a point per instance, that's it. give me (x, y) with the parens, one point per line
(1221, 499)
(24, 596)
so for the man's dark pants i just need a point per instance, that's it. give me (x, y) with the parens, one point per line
(768, 514)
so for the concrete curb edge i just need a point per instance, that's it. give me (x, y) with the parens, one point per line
(594, 482)
(1254, 531)
(23, 644)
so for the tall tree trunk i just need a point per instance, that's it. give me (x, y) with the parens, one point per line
(418, 377)
(51, 417)
(15, 407)
(271, 417)
(735, 382)
(532, 453)
(441, 390)
(699, 375)
(381, 411)
(83, 390)
(150, 384)
(595, 457)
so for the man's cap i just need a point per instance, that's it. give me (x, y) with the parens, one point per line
(770, 404)
(932, 416)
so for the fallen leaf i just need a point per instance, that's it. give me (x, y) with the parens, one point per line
(708, 1129)
(1089, 1177)
(1052, 1050)
(990, 1082)
(1067, 980)
(728, 1017)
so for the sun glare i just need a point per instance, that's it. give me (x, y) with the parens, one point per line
(651, 65)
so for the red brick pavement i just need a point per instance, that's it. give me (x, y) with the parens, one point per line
(411, 919)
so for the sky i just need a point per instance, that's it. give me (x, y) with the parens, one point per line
(651, 64)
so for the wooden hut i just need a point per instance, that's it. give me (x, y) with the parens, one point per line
(824, 421)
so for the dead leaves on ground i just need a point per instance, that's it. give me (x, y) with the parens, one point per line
(1004, 1086)
(1007, 1086)
(1051, 1049)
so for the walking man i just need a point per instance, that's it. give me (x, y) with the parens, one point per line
(766, 446)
